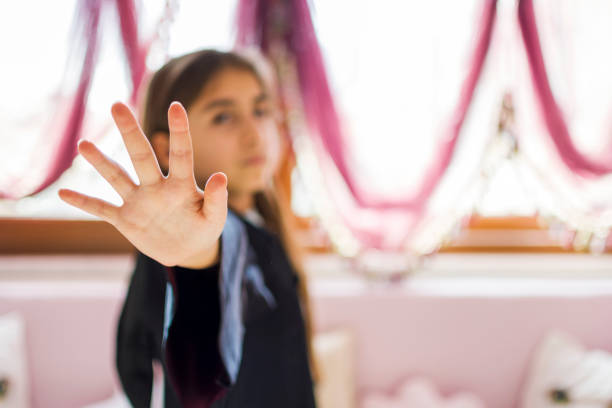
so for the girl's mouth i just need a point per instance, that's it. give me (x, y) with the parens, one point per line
(255, 160)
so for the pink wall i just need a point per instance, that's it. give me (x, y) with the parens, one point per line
(462, 334)
(70, 332)
(463, 340)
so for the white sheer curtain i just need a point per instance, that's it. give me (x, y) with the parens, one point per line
(575, 46)
(34, 81)
(397, 70)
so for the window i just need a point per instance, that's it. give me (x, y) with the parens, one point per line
(390, 68)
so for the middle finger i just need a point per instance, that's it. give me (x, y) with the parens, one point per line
(181, 151)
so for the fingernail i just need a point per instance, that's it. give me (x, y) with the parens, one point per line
(213, 175)
(116, 106)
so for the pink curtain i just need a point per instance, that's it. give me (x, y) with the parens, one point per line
(553, 116)
(87, 21)
(267, 23)
(135, 50)
(88, 36)
(287, 25)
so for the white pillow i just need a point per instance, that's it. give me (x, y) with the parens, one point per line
(120, 400)
(13, 369)
(421, 393)
(564, 374)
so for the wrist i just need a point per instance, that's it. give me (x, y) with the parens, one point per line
(204, 259)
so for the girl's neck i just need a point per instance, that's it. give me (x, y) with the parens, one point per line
(241, 202)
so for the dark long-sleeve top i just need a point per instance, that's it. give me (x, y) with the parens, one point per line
(231, 335)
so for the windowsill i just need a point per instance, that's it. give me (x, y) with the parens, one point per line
(464, 287)
(444, 275)
(68, 267)
(485, 265)
(475, 275)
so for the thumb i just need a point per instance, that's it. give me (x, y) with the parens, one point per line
(215, 198)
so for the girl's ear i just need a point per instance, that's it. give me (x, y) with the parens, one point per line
(283, 133)
(160, 141)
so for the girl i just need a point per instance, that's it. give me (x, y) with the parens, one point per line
(214, 295)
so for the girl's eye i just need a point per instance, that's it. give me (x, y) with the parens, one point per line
(221, 118)
(262, 112)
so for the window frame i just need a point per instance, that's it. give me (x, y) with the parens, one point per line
(38, 236)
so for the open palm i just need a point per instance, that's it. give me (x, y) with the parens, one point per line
(170, 219)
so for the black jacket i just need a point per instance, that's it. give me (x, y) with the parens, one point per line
(273, 370)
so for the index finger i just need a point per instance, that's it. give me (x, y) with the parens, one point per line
(138, 146)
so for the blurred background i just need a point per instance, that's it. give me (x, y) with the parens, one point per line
(450, 175)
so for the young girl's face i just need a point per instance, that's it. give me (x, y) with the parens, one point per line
(234, 130)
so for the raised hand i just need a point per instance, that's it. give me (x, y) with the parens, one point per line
(169, 219)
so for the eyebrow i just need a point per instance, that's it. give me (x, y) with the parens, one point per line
(219, 103)
(224, 103)
(262, 97)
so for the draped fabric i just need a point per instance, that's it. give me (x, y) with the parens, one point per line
(134, 48)
(284, 32)
(554, 118)
(573, 193)
(564, 117)
(86, 40)
(428, 142)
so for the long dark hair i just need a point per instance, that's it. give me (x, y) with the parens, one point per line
(182, 79)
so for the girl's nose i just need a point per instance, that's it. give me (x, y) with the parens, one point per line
(251, 133)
